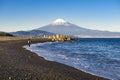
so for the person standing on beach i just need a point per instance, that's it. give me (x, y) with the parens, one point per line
(29, 42)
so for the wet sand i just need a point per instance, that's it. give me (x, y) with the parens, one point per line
(17, 63)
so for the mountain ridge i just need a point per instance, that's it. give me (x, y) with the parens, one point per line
(5, 34)
(31, 33)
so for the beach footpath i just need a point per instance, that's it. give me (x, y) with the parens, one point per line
(17, 63)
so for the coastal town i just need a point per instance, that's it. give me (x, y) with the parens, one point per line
(58, 37)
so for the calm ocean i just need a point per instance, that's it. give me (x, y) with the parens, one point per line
(99, 56)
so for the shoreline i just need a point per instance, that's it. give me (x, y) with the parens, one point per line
(25, 46)
(18, 63)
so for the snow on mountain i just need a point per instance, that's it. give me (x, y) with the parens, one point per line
(60, 22)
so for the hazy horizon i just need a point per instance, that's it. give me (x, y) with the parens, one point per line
(30, 14)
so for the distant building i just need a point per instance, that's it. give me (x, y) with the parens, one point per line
(58, 37)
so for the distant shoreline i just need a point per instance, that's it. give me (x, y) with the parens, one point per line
(19, 63)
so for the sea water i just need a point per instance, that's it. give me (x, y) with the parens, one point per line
(99, 56)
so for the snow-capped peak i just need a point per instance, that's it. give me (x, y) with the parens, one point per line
(60, 22)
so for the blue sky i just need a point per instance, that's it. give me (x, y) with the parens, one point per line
(30, 14)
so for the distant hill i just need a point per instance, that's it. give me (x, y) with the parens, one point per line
(5, 34)
(31, 33)
(63, 27)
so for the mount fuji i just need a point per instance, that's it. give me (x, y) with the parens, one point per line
(61, 26)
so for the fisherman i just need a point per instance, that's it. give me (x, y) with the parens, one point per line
(29, 42)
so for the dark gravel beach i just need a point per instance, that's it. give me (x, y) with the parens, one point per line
(17, 63)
